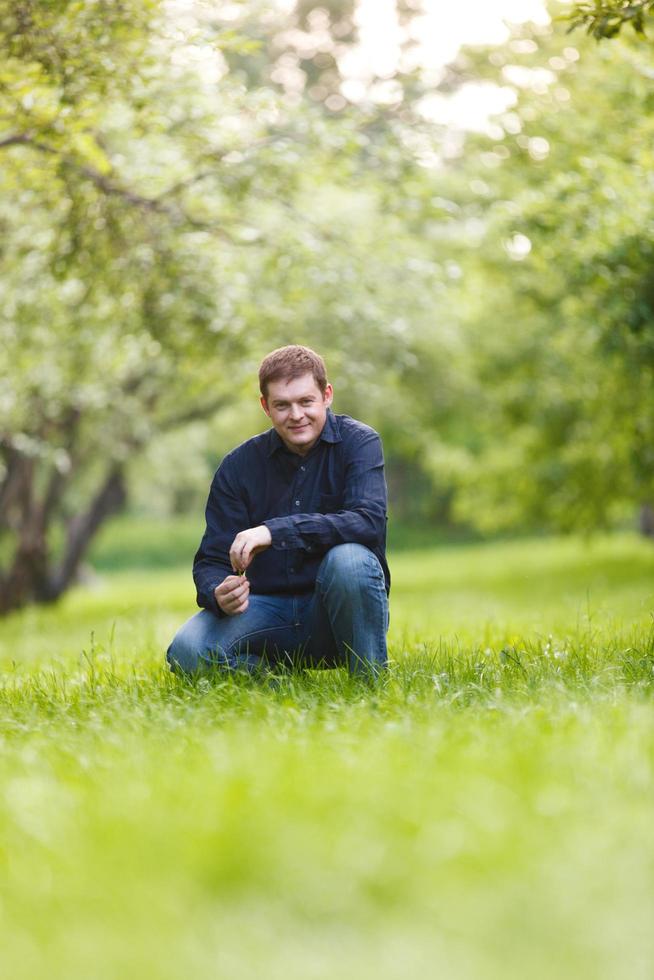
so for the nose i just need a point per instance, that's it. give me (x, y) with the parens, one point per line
(296, 412)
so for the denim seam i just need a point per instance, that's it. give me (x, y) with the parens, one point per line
(230, 649)
(382, 631)
(266, 629)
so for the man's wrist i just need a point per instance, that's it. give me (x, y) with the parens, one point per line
(216, 605)
(267, 535)
(283, 534)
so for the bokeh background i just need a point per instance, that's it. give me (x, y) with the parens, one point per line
(458, 212)
(463, 232)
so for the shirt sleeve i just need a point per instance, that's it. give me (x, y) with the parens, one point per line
(362, 519)
(226, 515)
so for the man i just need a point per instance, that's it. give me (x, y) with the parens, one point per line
(292, 566)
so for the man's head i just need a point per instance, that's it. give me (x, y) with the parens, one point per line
(295, 395)
(288, 363)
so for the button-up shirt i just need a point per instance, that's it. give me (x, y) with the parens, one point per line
(333, 495)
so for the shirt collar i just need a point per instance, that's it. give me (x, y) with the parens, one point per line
(330, 433)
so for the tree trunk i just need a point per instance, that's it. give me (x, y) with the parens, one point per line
(26, 579)
(16, 487)
(110, 499)
(646, 520)
(22, 516)
(27, 516)
(30, 577)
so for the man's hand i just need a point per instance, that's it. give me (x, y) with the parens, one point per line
(232, 594)
(247, 544)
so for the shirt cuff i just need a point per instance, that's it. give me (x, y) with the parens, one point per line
(283, 533)
(208, 598)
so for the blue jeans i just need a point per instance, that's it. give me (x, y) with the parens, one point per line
(343, 622)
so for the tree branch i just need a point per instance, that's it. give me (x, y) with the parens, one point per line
(14, 140)
(195, 414)
(156, 205)
(101, 181)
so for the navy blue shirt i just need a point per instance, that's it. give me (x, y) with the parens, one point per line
(333, 495)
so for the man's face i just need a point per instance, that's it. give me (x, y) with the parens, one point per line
(297, 410)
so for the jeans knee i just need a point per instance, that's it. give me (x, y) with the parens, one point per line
(347, 566)
(187, 654)
(181, 657)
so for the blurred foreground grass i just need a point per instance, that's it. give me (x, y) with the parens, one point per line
(485, 812)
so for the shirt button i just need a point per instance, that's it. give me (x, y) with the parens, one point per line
(303, 468)
(297, 503)
(283, 544)
(291, 570)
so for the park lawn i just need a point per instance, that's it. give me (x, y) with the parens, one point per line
(484, 812)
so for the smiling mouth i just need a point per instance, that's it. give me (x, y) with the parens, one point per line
(298, 428)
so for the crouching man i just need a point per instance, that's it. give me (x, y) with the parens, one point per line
(292, 568)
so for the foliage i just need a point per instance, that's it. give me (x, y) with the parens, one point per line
(606, 18)
(555, 292)
(183, 192)
(157, 241)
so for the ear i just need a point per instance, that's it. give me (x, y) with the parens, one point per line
(328, 397)
(264, 405)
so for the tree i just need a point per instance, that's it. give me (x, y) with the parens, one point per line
(556, 294)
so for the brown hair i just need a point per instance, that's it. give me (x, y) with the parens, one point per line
(292, 362)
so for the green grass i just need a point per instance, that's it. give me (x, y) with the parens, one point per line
(485, 812)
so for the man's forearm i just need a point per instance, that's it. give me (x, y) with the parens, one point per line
(309, 531)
